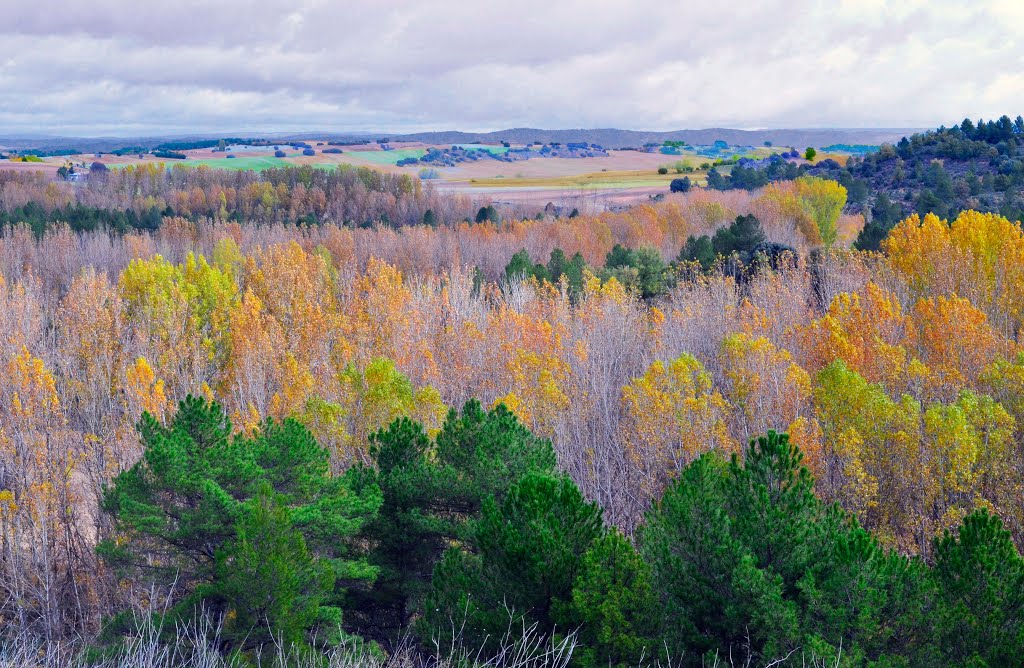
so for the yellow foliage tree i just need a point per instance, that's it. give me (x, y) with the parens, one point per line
(671, 415)
(766, 388)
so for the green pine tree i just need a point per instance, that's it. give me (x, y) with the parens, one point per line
(980, 580)
(205, 510)
(520, 567)
(749, 561)
(614, 606)
(434, 493)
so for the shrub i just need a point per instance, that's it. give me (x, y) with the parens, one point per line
(680, 185)
(279, 153)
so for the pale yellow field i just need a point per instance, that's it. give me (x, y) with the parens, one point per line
(602, 179)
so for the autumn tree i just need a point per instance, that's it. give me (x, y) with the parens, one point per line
(672, 415)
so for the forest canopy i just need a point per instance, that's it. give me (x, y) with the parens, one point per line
(704, 426)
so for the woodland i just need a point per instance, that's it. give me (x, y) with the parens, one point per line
(291, 419)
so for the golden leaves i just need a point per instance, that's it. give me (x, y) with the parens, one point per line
(979, 256)
(144, 392)
(767, 388)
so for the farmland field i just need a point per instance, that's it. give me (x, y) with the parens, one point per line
(618, 179)
(621, 177)
(387, 157)
(256, 163)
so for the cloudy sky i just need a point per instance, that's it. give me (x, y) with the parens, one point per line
(121, 67)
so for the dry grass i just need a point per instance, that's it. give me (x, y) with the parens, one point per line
(195, 646)
(608, 179)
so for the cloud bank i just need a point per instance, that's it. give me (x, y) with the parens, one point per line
(123, 67)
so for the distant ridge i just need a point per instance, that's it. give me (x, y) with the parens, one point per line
(615, 138)
(607, 137)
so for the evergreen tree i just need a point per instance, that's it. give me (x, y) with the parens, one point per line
(520, 565)
(716, 181)
(274, 590)
(520, 266)
(650, 271)
(748, 560)
(680, 185)
(433, 495)
(488, 214)
(698, 249)
(406, 539)
(741, 236)
(557, 264)
(205, 511)
(614, 606)
(574, 273)
(980, 579)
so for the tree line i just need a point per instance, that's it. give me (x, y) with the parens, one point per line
(139, 196)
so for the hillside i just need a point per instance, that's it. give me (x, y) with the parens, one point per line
(944, 171)
(977, 166)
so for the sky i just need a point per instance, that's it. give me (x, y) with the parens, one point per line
(125, 67)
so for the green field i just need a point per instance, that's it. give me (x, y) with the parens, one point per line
(387, 157)
(255, 163)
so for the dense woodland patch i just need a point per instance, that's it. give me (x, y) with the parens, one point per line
(701, 428)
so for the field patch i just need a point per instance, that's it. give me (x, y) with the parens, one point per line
(594, 180)
(254, 162)
(387, 157)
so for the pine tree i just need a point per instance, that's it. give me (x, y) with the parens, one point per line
(520, 566)
(206, 513)
(748, 560)
(434, 493)
(980, 580)
(272, 588)
(614, 605)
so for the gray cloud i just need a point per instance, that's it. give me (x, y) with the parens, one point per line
(124, 67)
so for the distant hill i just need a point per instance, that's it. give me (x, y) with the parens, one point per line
(48, 144)
(615, 138)
(607, 137)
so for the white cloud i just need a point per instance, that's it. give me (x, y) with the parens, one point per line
(115, 67)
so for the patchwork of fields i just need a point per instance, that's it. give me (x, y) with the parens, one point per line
(620, 176)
